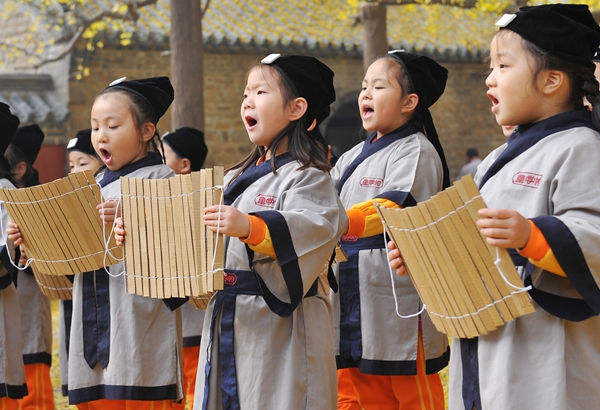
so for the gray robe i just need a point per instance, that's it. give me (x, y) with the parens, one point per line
(281, 362)
(549, 359)
(403, 167)
(12, 373)
(144, 361)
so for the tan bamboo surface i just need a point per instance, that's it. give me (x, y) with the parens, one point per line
(453, 267)
(62, 230)
(54, 286)
(169, 252)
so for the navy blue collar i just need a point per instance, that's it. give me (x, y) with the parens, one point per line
(370, 148)
(252, 174)
(153, 158)
(526, 136)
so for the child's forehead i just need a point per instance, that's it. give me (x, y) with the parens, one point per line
(260, 75)
(115, 102)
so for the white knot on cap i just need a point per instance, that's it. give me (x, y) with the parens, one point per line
(270, 58)
(400, 50)
(117, 81)
(72, 143)
(505, 20)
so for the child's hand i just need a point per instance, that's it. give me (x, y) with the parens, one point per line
(119, 231)
(504, 228)
(14, 233)
(109, 210)
(231, 222)
(396, 261)
(23, 257)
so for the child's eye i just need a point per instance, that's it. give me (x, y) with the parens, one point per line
(94, 129)
(364, 88)
(113, 127)
(245, 96)
(379, 88)
(261, 92)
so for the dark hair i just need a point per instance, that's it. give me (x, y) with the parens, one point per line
(141, 111)
(472, 152)
(307, 147)
(15, 156)
(396, 71)
(582, 80)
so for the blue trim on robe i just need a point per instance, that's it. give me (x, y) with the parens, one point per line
(42, 357)
(153, 158)
(252, 174)
(192, 341)
(370, 148)
(570, 257)
(470, 373)
(13, 392)
(524, 138)
(404, 199)
(109, 392)
(287, 260)
(7, 279)
(397, 367)
(95, 314)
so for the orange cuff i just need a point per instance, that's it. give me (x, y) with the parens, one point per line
(258, 231)
(356, 222)
(537, 247)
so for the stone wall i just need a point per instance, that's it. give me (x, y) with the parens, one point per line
(462, 115)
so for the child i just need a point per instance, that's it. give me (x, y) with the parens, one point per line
(12, 373)
(282, 218)
(539, 204)
(185, 152)
(36, 315)
(392, 362)
(124, 350)
(82, 157)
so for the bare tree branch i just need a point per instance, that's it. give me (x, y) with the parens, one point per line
(204, 9)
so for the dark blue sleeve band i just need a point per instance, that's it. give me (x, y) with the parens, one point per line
(404, 199)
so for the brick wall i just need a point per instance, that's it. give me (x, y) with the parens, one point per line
(462, 115)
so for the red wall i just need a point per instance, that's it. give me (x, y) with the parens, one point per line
(51, 162)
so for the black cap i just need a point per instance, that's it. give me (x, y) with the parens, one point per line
(28, 140)
(82, 142)
(427, 78)
(8, 126)
(568, 31)
(188, 142)
(312, 79)
(156, 91)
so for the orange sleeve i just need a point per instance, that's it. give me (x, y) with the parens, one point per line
(539, 252)
(363, 220)
(259, 238)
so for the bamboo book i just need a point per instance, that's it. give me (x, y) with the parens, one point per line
(468, 287)
(62, 230)
(169, 252)
(54, 286)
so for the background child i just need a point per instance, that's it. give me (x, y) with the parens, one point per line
(282, 218)
(81, 157)
(12, 373)
(36, 315)
(115, 335)
(543, 201)
(392, 361)
(185, 152)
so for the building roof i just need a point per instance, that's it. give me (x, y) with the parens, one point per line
(33, 98)
(314, 26)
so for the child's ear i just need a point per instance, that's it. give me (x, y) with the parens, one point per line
(186, 166)
(20, 170)
(298, 107)
(148, 131)
(410, 103)
(552, 81)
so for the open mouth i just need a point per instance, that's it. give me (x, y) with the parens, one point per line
(494, 102)
(250, 122)
(367, 112)
(105, 155)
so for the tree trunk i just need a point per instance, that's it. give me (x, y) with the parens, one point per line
(187, 70)
(373, 18)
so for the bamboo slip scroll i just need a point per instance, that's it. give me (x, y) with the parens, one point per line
(469, 287)
(62, 231)
(169, 252)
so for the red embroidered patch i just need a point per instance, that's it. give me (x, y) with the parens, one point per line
(348, 238)
(371, 182)
(230, 279)
(267, 201)
(527, 179)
